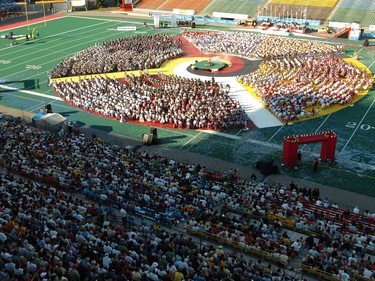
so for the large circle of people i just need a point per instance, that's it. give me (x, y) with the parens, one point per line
(187, 103)
(295, 88)
(180, 102)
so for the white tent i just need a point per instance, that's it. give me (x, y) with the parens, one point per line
(52, 122)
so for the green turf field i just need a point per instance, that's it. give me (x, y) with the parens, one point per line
(24, 85)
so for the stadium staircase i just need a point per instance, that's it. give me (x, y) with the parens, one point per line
(343, 32)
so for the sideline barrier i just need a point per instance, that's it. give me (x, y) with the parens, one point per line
(320, 274)
(248, 249)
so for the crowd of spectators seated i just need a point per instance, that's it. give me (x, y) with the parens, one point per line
(47, 234)
(292, 87)
(228, 229)
(50, 235)
(128, 53)
(346, 239)
(9, 8)
(252, 45)
(177, 101)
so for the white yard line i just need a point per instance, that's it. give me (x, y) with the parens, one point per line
(193, 138)
(50, 54)
(218, 133)
(108, 20)
(30, 109)
(272, 145)
(371, 64)
(359, 124)
(48, 62)
(276, 133)
(74, 31)
(23, 25)
(30, 92)
(329, 115)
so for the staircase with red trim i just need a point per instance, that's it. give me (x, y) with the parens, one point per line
(343, 32)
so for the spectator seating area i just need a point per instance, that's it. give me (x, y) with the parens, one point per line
(149, 4)
(247, 7)
(196, 6)
(299, 9)
(305, 3)
(345, 238)
(9, 8)
(50, 233)
(169, 5)
(361, 11)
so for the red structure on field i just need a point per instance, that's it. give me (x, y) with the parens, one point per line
(127, 5)
(327, 152)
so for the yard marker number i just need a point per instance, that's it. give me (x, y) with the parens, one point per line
(32, 66)
(364, 127)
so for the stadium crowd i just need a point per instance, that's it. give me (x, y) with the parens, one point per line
(292, 87)
(252, 45)
(50, 235)
(128, 53)
(180, 102)
(47, 234)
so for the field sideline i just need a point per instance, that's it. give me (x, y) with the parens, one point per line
(24, 85)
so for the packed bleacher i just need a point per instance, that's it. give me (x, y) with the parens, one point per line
(295, 88)
(49, 234)
(177, 101)
(247, 7)
(361, 11)
(252, 45)
(9, 8)
(128, 53)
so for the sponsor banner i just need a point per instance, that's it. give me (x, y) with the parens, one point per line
(184, 12)
(336, 24)
(126, 28)
(78, 3)
(199, 19)
(230, 16)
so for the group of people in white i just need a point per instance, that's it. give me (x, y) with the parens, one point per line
(297, 79)
(166, 99)
(253, 45)
(128, 53)
(293, 88)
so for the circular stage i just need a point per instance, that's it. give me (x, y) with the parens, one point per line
(209, 65)
(227, 67)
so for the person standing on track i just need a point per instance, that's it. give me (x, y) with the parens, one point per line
(316, 164)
